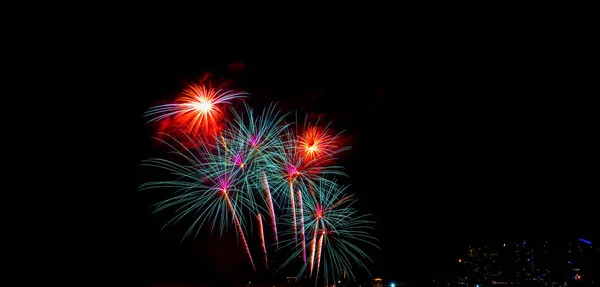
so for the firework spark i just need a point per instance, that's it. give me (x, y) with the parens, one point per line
(257, 163)
(198, 110)
(271, 208)
(335, 230)
(262, 239)
(204, 187)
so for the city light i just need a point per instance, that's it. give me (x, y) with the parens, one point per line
(524, 262)
(585, 241)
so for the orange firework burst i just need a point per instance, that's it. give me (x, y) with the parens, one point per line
(198, 111)
(316, 142)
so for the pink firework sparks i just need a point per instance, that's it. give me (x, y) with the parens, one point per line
(254, 141)
(292, 171)
(238, 159)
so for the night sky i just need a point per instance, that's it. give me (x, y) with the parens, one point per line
(454, 142)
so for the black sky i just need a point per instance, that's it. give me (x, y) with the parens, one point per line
(456, 139)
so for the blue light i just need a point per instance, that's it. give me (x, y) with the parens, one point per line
(585, 241)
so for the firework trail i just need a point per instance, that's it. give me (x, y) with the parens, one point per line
(293, 202)
(239, 227)
(302, 237)
(271, 208)
(262, 239)
(318, 213)
(320, 248)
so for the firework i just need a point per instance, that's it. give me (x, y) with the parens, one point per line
(271, 207)
(198, 110)
(228, 163)
(258, 140)
(308, 156)
(335, 231)
(262, 239)
(205, 187)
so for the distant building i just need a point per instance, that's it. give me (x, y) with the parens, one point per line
(527, 263)
(580, 254)
(377, 282)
